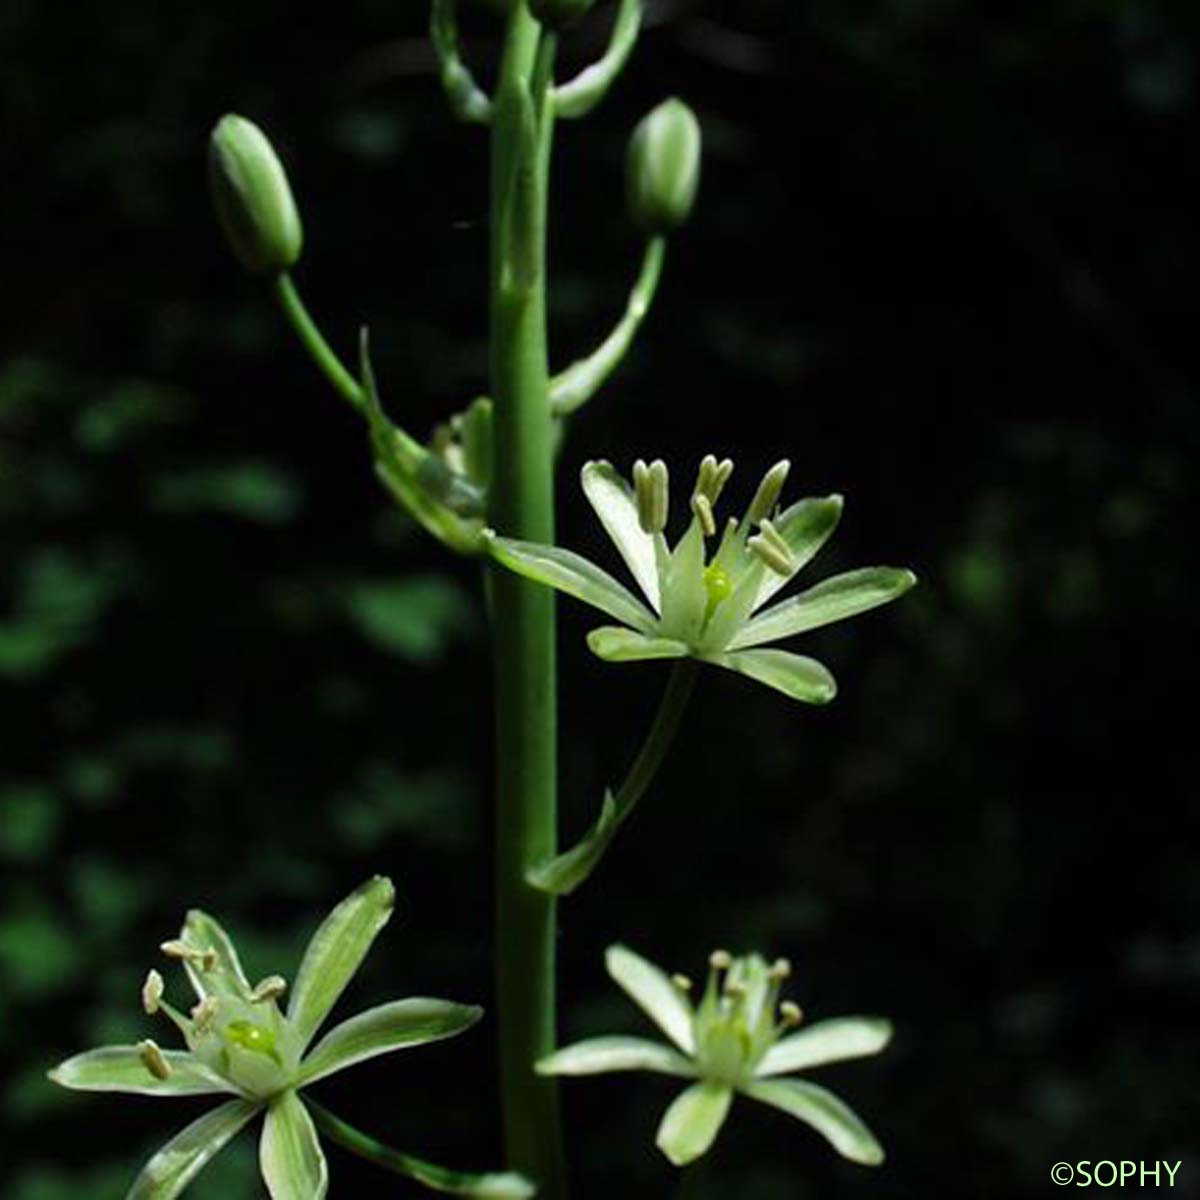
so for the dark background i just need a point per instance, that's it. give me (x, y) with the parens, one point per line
(945, 259)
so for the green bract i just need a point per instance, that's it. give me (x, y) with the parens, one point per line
(737, 1040)
(242, 1045)
(252, 197)
(702, 606)
(662, 172)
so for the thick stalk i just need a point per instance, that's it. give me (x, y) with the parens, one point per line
(522, 506)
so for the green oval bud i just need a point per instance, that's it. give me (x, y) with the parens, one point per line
(559, 14)
(253, 200)
(663, 168)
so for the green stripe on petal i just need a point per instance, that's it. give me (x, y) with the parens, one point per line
(685, 598)
(614, 502)
(829, 1041)
(614, 643)
(335, 953)
(801, 678)
(388, 1027)
(690, 1126)
(227, 979)
(597, 1056)
(654, 993)
(806, 527)
(574, 575)
(832, 600)
(122, 1069)
(183, 1158)
(289, 1154)
(821, 1109)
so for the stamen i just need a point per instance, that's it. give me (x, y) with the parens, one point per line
(712, 477)
(153, 1060)
(206, 960)
(781, 969)
(268, 989)
(790, 1014)
(734, 988)
(720, 960)
(682, 983)
(702, 508)
(769, 546)
(651, 491)
(204, 1013)
(767, 495)
(152, 993)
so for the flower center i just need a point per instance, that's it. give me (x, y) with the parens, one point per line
(252, 1037)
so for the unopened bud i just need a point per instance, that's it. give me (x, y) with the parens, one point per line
(252, 197)
(663, 168)
(559, 14)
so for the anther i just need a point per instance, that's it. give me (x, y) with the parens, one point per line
(204, 1013)
(206, 960)
(702, 508)
(650, 486)
(734, 988)
(153, 1060)
(720, 960)
(152, 992)
(769, 546)
(781, 969)
(268, 989)
(767, 495)
(682, 983)
(712, 477)
(790, 1014)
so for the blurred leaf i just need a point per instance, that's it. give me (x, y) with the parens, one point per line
(256, 491)
(413, 618)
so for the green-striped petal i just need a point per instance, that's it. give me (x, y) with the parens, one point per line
(690, 1126)
(614, 643)
(205, 933)
(598, 1056)
(821, 1109)
(794, 675)
(614, 502)
(574, 575)
(183, 1158)
(654, 993)
(388, 1027)
(832, 600)
(289, 1154)
(685, 598)
(121, 1069)
(829, 1041)
(335, 952)
(806, 527)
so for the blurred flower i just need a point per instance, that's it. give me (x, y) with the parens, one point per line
(736, 1040)
(709, 609)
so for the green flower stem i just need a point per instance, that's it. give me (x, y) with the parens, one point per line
(522, 506)
(578, 97)
(468, 101)
(575, 386)
(318, 348)
(658, 741)
(440, 1179)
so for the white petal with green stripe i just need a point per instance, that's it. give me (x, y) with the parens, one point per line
(388, 1027)
(289, 1154)
(597, 1056)
(806, 526)
(690, 1126)
(123, 1069)
(205, 934)
(335, 953)
(832, 600)
(657, 996)
(614, 503)
(173, 1167)
(794, 675)
(821, 1109)
(834, 1040)
(614, 643)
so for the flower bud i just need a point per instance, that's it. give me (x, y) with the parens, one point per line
(559, 14)
(253, 200)
(663, 168)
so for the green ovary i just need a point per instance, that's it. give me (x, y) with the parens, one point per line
(252, 1037)
(718, 585)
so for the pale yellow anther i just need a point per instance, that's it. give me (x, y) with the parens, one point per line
(270, 988)
(702, 509)
(206, 960)
(781, 969)
(152, 992)
(790, 1014)
(204, 1014)
(153, 1060)
(682, 983)
(720, 960)
(767, 495)
(651, 492)
(770, 547)
(735, 988)
(712, 477)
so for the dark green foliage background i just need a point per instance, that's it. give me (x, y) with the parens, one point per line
(944, 259)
